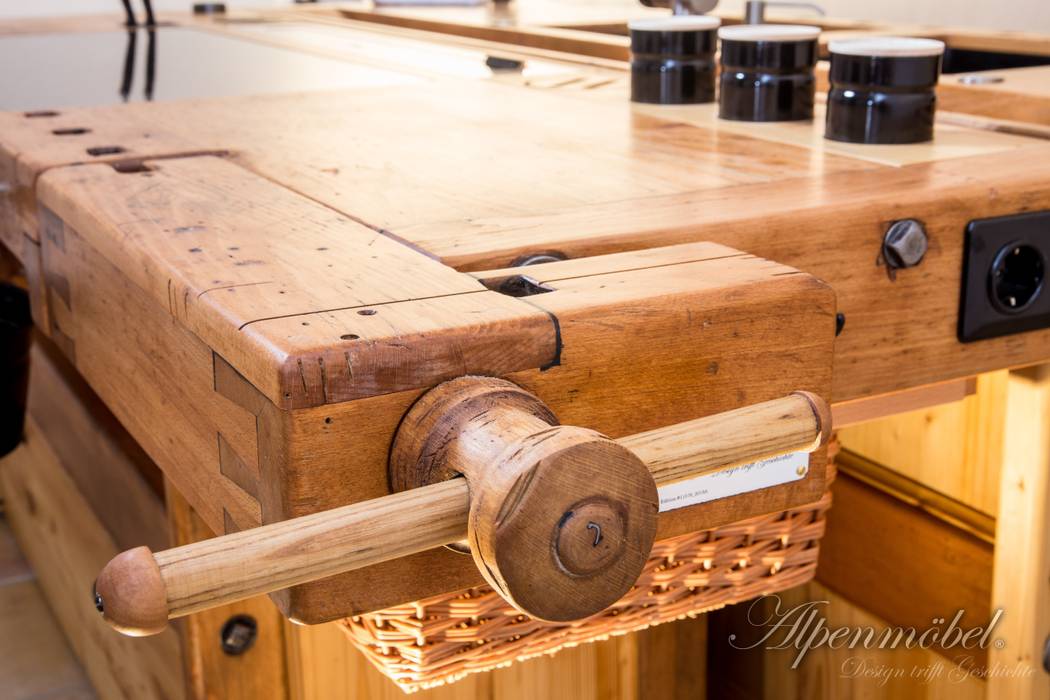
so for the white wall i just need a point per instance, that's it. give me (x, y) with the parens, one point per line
(41, 8)
(1031, 15)
(1027, 15)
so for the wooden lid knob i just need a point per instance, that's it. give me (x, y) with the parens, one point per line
(562, 519)
(131, 595)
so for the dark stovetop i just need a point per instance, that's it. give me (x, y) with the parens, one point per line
(44, 71)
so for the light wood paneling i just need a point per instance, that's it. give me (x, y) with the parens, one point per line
(110, 470)
(848, 413)
(955, 448)
(13, 566)
(1022, 551)
(664, 662)
(904, 556)
(835, 674)
(35, 661)
(66, 545)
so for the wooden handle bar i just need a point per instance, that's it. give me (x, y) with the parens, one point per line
(139, 591)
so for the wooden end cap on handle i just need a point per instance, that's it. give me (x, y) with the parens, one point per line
(560, 520)
(131, 595)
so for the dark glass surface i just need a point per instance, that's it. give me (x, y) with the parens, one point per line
(881, 100)
(47, 71)
(767, 80)
(879, 117)
(673, 67)
(682, 43)
(15, 332)
(967, 61)
(899, 72)
(770, 56)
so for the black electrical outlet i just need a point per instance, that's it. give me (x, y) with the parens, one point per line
(1004, 288)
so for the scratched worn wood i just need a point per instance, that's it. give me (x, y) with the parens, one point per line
(241, 460)
(801, 188)
(878, 308)
(290, 418)
(693, 174)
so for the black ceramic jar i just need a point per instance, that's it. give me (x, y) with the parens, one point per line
(16, 327)
(883, 90)
(673, 59)
(767, 72)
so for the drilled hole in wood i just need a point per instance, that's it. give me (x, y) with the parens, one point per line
(367, 312)
(105, 150)
(74, 131)
(349, 336)
(40, 114)
(328, 420)
(131, 166)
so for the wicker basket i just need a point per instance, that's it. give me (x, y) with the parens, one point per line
(441, 639)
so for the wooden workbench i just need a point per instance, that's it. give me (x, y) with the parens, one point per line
(292, 271)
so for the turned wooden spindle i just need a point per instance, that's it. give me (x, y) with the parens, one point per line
(559, 519)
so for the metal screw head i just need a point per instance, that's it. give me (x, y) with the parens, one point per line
(978, 79)
(99, 603)
(238, 634)
(499, 63)
(538, 258)
(905, 244)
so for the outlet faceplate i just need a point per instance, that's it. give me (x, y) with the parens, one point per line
(1004, 287)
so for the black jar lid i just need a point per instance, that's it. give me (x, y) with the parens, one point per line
(677, 35)
(769, 46)
(886, 61)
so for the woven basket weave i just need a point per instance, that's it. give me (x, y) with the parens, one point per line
(441, 639)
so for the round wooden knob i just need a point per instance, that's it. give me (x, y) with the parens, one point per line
(131, 595)
(562, 519)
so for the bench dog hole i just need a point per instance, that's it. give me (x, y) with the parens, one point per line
(131, 166)
(105, 150)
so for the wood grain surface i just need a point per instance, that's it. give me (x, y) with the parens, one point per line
(532, 494)
(181, 415)
(903, 558)
(626, 346)
(584, 195)
(65, 541)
